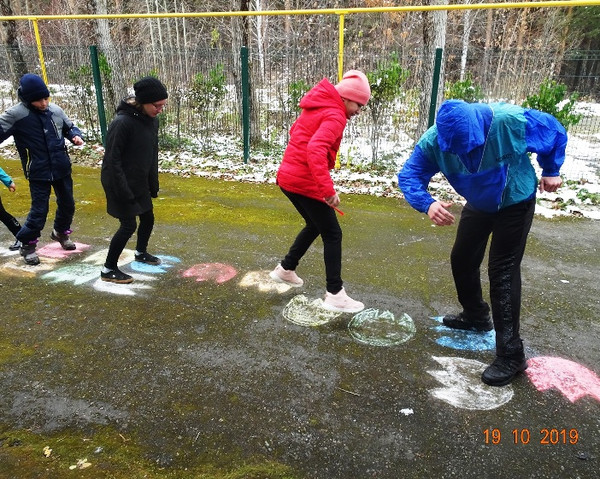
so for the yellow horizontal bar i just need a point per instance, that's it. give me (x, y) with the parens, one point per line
(325, 11)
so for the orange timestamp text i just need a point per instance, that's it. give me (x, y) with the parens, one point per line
(547, 436)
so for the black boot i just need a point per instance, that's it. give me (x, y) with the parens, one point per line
(503, 370)
(460, 321)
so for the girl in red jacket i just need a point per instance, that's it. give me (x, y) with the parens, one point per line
(304, 178)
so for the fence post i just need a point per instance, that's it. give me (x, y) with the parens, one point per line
(434, 87)
(245, 103)
(98, 88)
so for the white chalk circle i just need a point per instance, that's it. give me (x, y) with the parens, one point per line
(462, 386)
(300, 310)
(381, 328)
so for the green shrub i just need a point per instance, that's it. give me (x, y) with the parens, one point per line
(463, 90)
(551, 95)
(387, 83)
(297, 90)
(208, 91)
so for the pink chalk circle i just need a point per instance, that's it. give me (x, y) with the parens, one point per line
(54, 250)
(573, 380)
(217, 272)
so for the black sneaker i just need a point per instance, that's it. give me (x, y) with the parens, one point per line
(63, 238)
(29, 255)
(459, 321)
(116, 276)
(503, 370)
(15, 246)
(147, 258)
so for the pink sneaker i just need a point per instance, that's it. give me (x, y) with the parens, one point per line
(287, 276)
(342, 302)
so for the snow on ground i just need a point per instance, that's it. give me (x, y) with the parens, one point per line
(579, 196)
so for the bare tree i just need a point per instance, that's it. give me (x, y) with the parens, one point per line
(434, 36)
(16, 62)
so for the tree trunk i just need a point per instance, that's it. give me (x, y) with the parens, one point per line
(434, 36)
(16, 62)
(116, 87)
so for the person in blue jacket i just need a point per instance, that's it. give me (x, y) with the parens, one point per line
(483, 151)
(9, 220)
(39, 129)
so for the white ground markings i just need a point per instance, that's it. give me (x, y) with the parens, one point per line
(463, 387)
(88, 271)
(124, 289)
(381, 328)
(127, 256)
(304, 312)
(263, 282)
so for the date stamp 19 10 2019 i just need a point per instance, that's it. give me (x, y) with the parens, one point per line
(546, 436)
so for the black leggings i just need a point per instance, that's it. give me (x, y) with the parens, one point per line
(320, 220)
(9, 220)
(125, 231)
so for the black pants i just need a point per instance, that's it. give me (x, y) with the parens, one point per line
(9, 220)
(40, 198)
(321, 220)
(509, 229)
(126, 229)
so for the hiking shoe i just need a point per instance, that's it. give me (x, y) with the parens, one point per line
(147, 258)
(459, 321)
(341, 302)
(287, 276)
(503, 370)
(29, 255)
(15, 246)
(116, 276)
(63, 239)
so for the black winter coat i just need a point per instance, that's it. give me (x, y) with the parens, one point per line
(130, 167)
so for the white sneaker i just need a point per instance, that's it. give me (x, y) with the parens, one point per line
(342, 302)
(287, 276)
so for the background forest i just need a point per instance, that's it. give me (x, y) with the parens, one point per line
(489, 54)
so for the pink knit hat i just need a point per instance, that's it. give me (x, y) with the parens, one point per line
(354, 86)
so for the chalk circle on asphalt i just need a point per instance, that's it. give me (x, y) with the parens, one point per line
(304, 312)
(462, 386)
(381, 328)
(462, 339)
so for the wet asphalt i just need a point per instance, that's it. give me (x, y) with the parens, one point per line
(200, 362)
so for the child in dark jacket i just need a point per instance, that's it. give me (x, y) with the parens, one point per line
(39, 129)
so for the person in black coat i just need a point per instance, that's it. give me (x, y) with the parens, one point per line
(130, 173)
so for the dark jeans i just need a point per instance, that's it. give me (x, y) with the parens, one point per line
(321, 220)
(126, 229)
(40, 198)
(9, 220)
(509, 228)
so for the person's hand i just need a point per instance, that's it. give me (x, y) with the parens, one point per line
(439, 213)
(77, 140)
(12, 187)
(333, 201)
(550, 183)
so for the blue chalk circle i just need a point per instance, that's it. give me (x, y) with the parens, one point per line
(464, 340)
(167, 262)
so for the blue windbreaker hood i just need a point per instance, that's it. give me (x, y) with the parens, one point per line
(461, 126)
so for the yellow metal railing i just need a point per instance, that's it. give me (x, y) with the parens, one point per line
(341, 13)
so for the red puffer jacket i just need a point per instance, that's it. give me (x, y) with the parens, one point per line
(315, 138)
